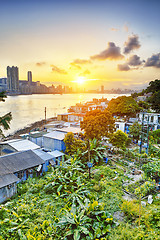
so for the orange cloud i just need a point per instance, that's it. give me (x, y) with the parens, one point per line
(58, 70)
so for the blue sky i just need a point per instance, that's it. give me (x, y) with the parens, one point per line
(48, 37)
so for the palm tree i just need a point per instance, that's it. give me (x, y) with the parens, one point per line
(4, 120)
(97, 152)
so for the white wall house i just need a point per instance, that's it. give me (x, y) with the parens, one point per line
(152, 119)
(120, 126)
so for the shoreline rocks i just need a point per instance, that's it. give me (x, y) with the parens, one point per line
(39, 124)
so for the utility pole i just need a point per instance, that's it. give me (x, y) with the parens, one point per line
(141, 143)
(45, 113)
(147, 135)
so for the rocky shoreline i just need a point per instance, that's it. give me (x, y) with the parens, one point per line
(39, 125)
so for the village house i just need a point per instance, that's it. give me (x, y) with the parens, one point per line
(16, 145)
(18, 167)
(153, 119)
(8, 186)
(54, 141)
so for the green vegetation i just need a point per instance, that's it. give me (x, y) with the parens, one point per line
(135, 130)
(4, 120)
(97, 124)
(152, 101)
(66, 204)
(123, 106)
(119, 139)
(73, 144)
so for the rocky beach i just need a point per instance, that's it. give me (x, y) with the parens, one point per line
(39, 125)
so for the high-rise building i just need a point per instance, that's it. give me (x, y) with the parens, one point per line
(29, 77)
(3, 84)
(102, 89)
(13, 79)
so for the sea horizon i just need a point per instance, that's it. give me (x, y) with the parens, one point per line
(27, 109)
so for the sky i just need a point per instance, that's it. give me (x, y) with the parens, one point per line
(82, 42)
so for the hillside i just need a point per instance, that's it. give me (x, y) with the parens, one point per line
(66, 204)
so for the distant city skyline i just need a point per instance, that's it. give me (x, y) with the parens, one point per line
(14, 86)
(84, 43)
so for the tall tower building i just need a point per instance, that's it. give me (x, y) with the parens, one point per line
(13, 79)
(29, 77)
(102, 89)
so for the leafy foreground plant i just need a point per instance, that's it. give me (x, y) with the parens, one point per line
(57, 206)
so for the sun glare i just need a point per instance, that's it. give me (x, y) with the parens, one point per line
(80, 80)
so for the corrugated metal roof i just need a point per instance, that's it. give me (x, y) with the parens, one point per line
(55, 135)
(56, 153)
(10, 141)
(37, 134)
(23, 145)
(19, 161)
(7, 179)
(70, 129)
(43, 155)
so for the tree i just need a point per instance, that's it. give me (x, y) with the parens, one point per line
(135, 130)
(4, 120)
(154, 86)
(123, 106)
(97, 124)
(72, 144)
(97, 152)
(119, 139)
(144, 105)
(154, 100)
(155, 135)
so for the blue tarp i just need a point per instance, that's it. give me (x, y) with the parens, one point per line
(5, 150)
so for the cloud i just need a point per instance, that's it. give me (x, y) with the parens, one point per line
(75, 66)
(123, 67)
(126, 28)
(153, 61)
(131, 44)
(114, 29)
(58, 70)
(134, 61)
(81, 61)
(40, 64)
(111, 53)
(78, 62)
(86, 72)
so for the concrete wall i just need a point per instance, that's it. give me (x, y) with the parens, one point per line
(53, 144)
(38, 141)
(6, 192)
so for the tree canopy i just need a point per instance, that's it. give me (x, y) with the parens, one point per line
(135, 130)
(4, 120)
(123, 106)
(154, 86)
(97, 124)
(119, 139)
(154, 100)
(72, 144)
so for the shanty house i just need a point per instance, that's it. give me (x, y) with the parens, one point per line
(21, 164)
(54, 141)
(7, 186)
(45, 156)
(17, 145)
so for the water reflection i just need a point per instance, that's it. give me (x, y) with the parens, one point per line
(27, 109)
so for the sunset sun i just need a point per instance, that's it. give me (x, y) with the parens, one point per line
(81, 80)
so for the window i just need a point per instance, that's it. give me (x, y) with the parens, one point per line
(152, 118)
(10, 185)
(20, 175)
